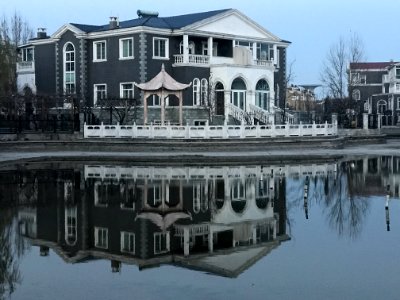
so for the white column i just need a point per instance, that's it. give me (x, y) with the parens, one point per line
(210, 47)
(254, 53)
(185, 48)
(365, 121)
(210, 241)
(275, 55)
(227, 100)
(186, 241)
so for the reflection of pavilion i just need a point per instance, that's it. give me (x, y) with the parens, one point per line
(222, 225)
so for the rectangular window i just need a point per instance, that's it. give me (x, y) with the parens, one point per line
(99, 51)
(398, 103)
(160, 48)
(397, 87)
(27, 54)
(397, 72)
(100, 92)
(126, 48)
(127, 242)
(161, 242)
(126, 90)
(101, 237)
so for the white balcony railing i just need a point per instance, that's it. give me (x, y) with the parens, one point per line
(192, 59)
(25, 66)
(264, 63)
(208, 132)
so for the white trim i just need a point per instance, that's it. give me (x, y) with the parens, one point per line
(104, 243)
(121, 93)
(129, 235)
(64, 66)
(166, 47)
(64, 29)
(95, 45)
(95, 86)
(121, 49)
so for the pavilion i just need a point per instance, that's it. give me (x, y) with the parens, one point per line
(162, 85)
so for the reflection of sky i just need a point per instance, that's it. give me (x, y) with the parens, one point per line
(315, 264)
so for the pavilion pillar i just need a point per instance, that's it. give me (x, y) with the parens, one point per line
(180, 108)
(162, 107)
(210, 46)
(145, 95)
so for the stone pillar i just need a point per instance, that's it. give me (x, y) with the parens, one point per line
(365, 121)
(334, 120)
(180, 108)
(185, 48)
(379, 121)
(162, 107)
(254, 53)
(210, 241)
(145, 108)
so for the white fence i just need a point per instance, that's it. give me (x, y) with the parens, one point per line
(208, 132)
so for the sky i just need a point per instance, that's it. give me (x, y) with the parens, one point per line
(312, 26)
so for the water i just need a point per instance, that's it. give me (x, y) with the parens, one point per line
(315, 231)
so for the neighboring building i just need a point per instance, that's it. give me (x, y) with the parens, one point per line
(375, 86)
(301, 102)
(226, 57)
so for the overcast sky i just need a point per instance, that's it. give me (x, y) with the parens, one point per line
(311, 25)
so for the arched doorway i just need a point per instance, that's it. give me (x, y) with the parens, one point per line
(219, 99)
(238, 97)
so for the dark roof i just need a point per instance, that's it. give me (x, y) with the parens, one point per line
(371, 65)
(175, 22)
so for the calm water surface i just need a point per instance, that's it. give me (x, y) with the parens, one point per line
(95, 231)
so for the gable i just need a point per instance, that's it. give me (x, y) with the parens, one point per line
(236, 24)
(65, 28)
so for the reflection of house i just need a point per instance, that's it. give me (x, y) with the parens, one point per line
(201, 223)
(228, 58)
(375, 86)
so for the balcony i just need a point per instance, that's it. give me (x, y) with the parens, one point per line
(193, 59)
(25, 67)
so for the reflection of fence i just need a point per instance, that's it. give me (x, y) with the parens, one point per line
(208, 132)
(34, 125)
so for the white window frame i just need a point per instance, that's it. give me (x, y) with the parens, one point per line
(25, 51)
(95, 90)
(127, 235)
(160, 236)
(196, 92)
(166, 40)
(71, 225)
(121, 90)
(97, 44)
(398, 103)
(101, 241)
(152, 99)
(72, 64)
(203, 91)
(121, 49)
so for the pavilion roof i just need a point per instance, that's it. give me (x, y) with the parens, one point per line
(162, 81)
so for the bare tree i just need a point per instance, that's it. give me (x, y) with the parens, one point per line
(14, 31)
(334, 75)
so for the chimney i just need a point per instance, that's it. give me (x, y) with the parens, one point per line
(114, 23)
(41, 33)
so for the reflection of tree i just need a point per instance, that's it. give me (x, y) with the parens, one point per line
(346, 212)
(9, 272)
(337, 195)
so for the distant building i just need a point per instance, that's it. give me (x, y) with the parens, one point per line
(375, 86)
(301, 102)
(225, 56)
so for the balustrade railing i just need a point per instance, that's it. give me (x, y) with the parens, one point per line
(193, 59)
(208, 131)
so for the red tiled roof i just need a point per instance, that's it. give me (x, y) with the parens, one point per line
(371, 65)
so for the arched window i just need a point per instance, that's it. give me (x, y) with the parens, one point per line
(204, 92)
(381, 106)
(69, 69)
(356, 95)
(238, 97)
(262, 94)
(196, 91)
(153, 100)
(71, 219)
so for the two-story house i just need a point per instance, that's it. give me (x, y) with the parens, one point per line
(235, 67)
(375, 86)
